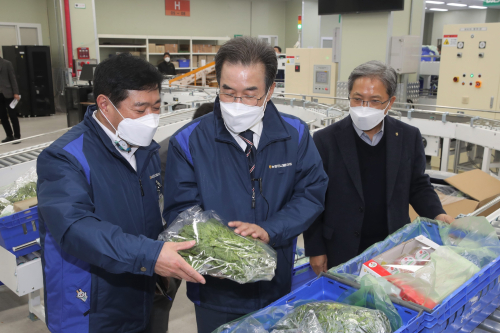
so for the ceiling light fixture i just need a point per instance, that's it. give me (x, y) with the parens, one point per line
(478, 7)
(436, 2)
(439, 9)
(456, 4)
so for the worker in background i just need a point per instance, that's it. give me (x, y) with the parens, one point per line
(166, 67)
(376, 169)
(98, 203)
(277, 49)
(255, 167)
(200, 111)
(8, 92)
(162, 304)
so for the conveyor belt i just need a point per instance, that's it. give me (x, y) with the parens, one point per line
(490, 324)
(12, 158)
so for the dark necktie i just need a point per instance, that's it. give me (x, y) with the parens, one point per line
(247, 136)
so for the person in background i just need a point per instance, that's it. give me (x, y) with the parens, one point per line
(376, 169)
(277, 49)
(98, 191)
(166, 67)
(200, 111)
(8, 91)
(255, 167)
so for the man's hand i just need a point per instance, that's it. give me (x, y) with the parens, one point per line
(318, 264)
(246, 229)
(170, 263)
(16, 96)
(445, 218)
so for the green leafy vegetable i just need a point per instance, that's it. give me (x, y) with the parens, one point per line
(25, 192)
(332, 317)
(221, 252)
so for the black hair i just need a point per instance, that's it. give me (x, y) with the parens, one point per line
(164, 54)
(277, 47)
(248, 51)
(115, 76)
(203, 109)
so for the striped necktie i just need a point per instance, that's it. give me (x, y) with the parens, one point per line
(247, 136)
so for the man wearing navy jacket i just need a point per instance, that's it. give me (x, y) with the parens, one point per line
(376, 168)
(255, 167)
(99, 187)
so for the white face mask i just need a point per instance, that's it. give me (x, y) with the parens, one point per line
(239, 117)
(136, 132)
(365, 117)
(167, 59)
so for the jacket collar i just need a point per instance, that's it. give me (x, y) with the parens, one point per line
(347, 146)
(91, 123)
(273, 127)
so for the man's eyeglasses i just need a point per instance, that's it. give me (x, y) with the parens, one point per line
(247, 100)
(359, 102)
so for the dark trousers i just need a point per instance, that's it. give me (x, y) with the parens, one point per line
(209, 320)
(12, 114)
(158, 322)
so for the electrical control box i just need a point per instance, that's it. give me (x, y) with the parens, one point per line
(311, 72)
(405, 54)
(83, 52)
(469, 75)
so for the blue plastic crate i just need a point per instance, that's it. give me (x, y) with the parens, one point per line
(301, 275)
(183, 63)
(18, 229)
(454, 306)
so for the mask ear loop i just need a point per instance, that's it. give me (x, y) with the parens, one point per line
(120, 143)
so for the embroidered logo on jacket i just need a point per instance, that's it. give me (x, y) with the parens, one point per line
(277, 166)
(81, 295)
(154, 176)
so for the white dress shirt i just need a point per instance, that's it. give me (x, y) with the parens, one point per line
(129, 156)
(257, 132)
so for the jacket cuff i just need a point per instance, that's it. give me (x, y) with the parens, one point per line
(147, 257)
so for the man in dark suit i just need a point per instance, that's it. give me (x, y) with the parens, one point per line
(166, 67)
(8, 91)
(376, 167)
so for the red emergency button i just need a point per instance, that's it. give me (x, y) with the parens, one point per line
(455, 79)
(326, 88)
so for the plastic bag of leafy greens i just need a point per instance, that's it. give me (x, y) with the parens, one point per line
(333, 317)
(23, 188)
(474, 238)
(219, 251)
(373, 294)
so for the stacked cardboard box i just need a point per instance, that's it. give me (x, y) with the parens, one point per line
(195, 61)
(202, 60)
(478, 185)
(172, 48)
(160, 49)
(175, 63)
(210, 59)
(152, 48)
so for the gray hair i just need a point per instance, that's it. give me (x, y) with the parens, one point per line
(248, 51)
(378, 70)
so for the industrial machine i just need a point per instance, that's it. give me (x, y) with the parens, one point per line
(311, 72)
(469, 75)
(34, 78)
(280, 76)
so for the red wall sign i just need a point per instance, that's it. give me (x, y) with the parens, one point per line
(177, 8)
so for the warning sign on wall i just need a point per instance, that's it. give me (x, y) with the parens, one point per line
(450, 40)
(177, 8)
(290, 60)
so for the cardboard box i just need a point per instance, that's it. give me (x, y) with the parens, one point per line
(135, 53)
(217, 48)
(383, 264)
(176, 64)
(202, 60)
(195, 61)
(196, 48)
(210, 59)
(172, 48)
(152, 48)
(478, 185)
(25, 204)
(160, 49)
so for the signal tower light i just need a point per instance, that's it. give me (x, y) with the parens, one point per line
(299, 25)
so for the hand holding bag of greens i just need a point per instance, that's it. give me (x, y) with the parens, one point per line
(219, 251)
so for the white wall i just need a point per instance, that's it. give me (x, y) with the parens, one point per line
(454, 17)
(328, 24)
(293, 10)
(26, 11)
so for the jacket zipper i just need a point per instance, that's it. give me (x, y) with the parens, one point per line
(140, 184)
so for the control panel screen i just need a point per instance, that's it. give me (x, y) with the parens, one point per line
(321, 77)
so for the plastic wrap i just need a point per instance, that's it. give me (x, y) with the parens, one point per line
(309, 316)
(332, 317)
(448, 194)
(23, 188)
(219, 251)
